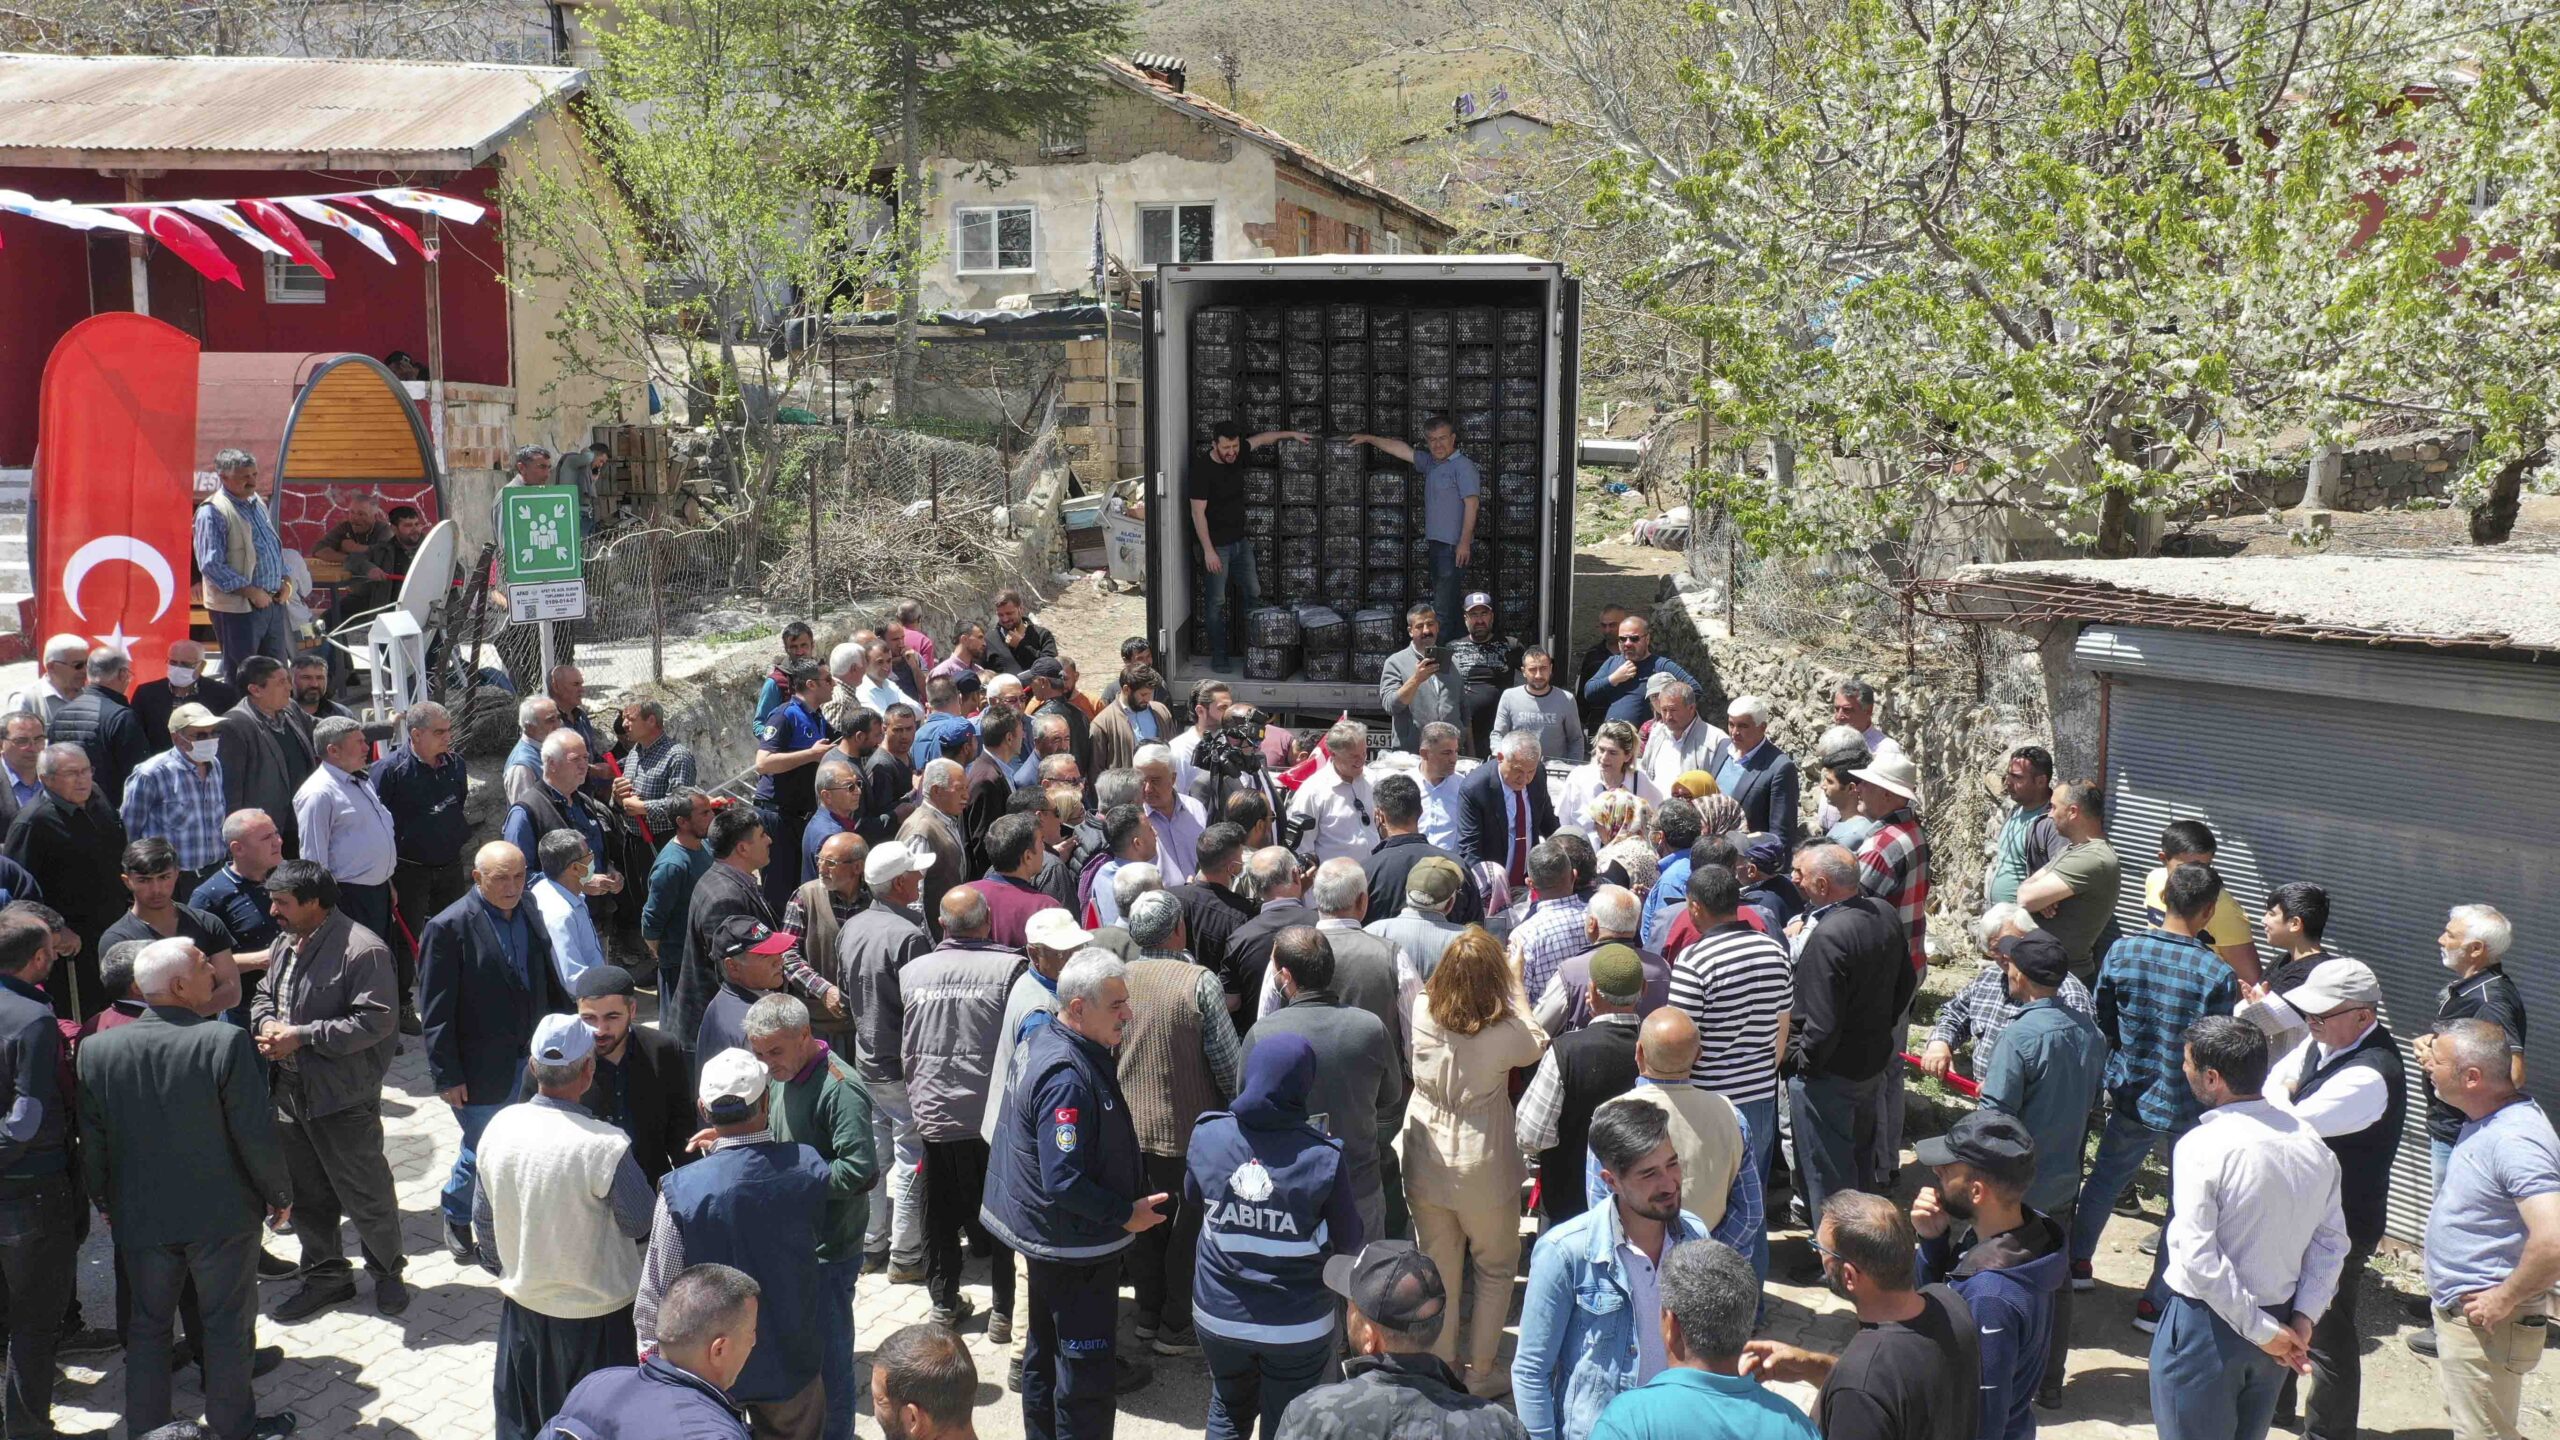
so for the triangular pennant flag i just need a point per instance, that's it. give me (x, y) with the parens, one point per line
(396, 227)
(280, 226)
(186, 240)
(241, 230)
(336, 219)
(460, 211)
(63, 212)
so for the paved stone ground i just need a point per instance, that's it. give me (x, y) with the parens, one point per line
(350, 1372)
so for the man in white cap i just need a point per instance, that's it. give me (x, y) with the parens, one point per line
(1052, 938)
(2345, 1082)
(756, 1204)
(1893, 866)
(559, 1202)
(872, 951)
(178, 794)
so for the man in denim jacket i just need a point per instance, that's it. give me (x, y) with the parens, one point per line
(1591, 1326)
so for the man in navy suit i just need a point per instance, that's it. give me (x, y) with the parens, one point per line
(1503, 808)
(485, 977)
(1759, 776)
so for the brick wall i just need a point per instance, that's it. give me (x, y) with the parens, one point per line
(1341, 224)
(1120, 127)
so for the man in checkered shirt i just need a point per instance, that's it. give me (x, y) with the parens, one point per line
(1553, 933)
(1893, 866)
(1982, 1009)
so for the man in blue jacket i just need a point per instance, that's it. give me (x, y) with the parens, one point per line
(1065, 1190)
(706, 1333)
(2007, 1261)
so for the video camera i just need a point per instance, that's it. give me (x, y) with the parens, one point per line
(1232, 750)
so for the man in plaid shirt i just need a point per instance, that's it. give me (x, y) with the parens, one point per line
(2153, 986)
(1893, 866)
(1554, 932)
(1982, 1009)
(177, 795)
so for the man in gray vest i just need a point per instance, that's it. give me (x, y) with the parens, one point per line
(242, 561)
(1177, 1061)
(1360, 1083)
(873, 947)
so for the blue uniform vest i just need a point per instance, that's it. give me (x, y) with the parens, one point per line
(1263, 1240)
(758, 1208)
(654, 1400)
(1017, 1205)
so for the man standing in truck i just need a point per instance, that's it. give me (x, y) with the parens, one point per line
(1451, 492)
(1217, 522)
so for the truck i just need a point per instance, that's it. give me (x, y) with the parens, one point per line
(1334, 345)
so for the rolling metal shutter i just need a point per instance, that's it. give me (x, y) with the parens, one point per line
(2405, 783)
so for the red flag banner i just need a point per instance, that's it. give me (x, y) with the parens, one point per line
(270, 217)
(115, 487)
(186, 240)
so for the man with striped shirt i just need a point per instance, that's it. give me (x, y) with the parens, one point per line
(1737, 984)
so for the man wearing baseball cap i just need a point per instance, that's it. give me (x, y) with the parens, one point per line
(2344, 1081)
(750, 954)
(2010, 1263)
(1580, 1071)
(1396, 1304)
(1484, 665)
(178, 794)
(558, 1203)
(755, 1204)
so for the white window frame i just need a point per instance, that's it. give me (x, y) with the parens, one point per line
(960, 240)
(1176, 207)
(1390, 243)
(291, 283)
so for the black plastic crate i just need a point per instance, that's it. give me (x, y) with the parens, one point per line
(1339, 520)
(1389, 352)
(1309, 418)
(1517, 391)
(1472, 392)
(1297, 550)
(1526, 360)
(1298, 520)
(1255, 354)
(1258, 418)
(1337, 550)
(1345, 467)
(1517, 455)
(1265, 554)
(1296, 454)
(1302, 355)
(1383, 552)
(1522, 327)
(1387, 520)
(1475, 429)
(1390, 387)
(1352, 385)
(1379, 628)
(1345, 490)
(1393, 421)
(1472, 325)
(1417, 583)
(1386, 322)
(1518, 424)
(1516, 519)
(1214, 392)
(1424, 357)
(1348, 355)
(1390, 487)
(1515, 618)
(1263, 322)
(1366, 667)
(1418, 549)
(1262, 487)
(1322, 628)
(1306, 387)
(1347, 320)
(1431, 392)
(1297, 488)
(1306, 322)
(1473, 360)
(1517, 487)
(1299, 583)
(1331, 667)
(1262, 662)
(1272, 625)
(1215, 325)
(1348, 417)
(1261, 520)
(1384, 587)
(1428, 327)
(1261, 389)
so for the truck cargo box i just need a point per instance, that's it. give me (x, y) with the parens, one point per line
(1379, 343)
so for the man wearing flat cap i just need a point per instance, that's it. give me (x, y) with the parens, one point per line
(558, 1202)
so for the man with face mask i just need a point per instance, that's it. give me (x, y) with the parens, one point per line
(154, 700)
(1217, 523)
(178, 794)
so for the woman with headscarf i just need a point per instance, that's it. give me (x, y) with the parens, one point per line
(1611, 769)
(1462, 1161)
(1275, 1201)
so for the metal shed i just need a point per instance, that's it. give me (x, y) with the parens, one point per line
(2384, 727)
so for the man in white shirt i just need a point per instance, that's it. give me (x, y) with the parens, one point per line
(344, 828)
(1209, 701)
(1439, 781)
(1334, 802)
(66, 674)
(1176, 817)
(1681, 740)
(2255, 1245)
(1853, 703)
(560, 899)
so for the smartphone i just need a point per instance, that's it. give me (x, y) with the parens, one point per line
(1443, 656)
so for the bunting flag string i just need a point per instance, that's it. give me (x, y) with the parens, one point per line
(265, 224)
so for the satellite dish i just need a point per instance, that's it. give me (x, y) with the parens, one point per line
(430, 577)
(398, 637)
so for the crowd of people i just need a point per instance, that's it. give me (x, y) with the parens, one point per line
(990, 974)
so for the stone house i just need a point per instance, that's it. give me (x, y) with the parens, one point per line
(1175, 176)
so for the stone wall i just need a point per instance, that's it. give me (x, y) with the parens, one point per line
(2379, 474)
(1957, 729)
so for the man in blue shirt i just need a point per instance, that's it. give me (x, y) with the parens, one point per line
(1451, 492)
(2491, 1231)
(1710, 1300)
(681, 862)
(242, 562)
(788, 748)
(1619, 689)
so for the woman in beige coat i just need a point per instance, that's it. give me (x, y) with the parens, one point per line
(1462, 1165)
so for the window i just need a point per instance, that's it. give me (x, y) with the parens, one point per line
(1306, 233)
(1176, 234)
(1355, 239)
(1391, 243)
(1056, 141)
(292, 284)
(995, 239)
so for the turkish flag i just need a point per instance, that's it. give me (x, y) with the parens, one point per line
(115, 486)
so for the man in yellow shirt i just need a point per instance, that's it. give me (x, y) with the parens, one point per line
(2191, 842)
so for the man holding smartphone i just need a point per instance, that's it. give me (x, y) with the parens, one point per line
(1415, 684)
(1066, 1188)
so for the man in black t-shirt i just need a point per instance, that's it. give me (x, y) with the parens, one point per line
(1912, 1370)
(2474, 941)
(1216, 494)
(151, 876)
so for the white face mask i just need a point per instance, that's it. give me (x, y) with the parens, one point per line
(180, 677)
(204, 752)
(2452, 958)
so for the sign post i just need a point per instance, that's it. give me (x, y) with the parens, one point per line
(543, 559)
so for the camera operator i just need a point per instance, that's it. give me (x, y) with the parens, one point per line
(1209, 700)
(1228, 759)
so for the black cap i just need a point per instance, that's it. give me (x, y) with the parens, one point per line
(1987, 1138)
(1393, 1283)
(598, 981)
(740, 933)
(2037, 955)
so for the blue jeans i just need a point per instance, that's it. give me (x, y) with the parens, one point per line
(2122, 1147)
(466, 1164)
(1249, 1381)
(1237, 558)
(1444, 585)
(2207, 1381)
(250, 632)
(2439, 1156)
(835, 1362)
(1762, 1118)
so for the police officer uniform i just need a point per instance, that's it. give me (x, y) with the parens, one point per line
(1064, 1178)
(789, 799)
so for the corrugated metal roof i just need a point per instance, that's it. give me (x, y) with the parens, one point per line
(224, 112)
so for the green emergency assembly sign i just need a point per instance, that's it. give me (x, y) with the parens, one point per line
(538, 531)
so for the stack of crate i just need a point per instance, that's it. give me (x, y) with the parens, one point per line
(1339, 525)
